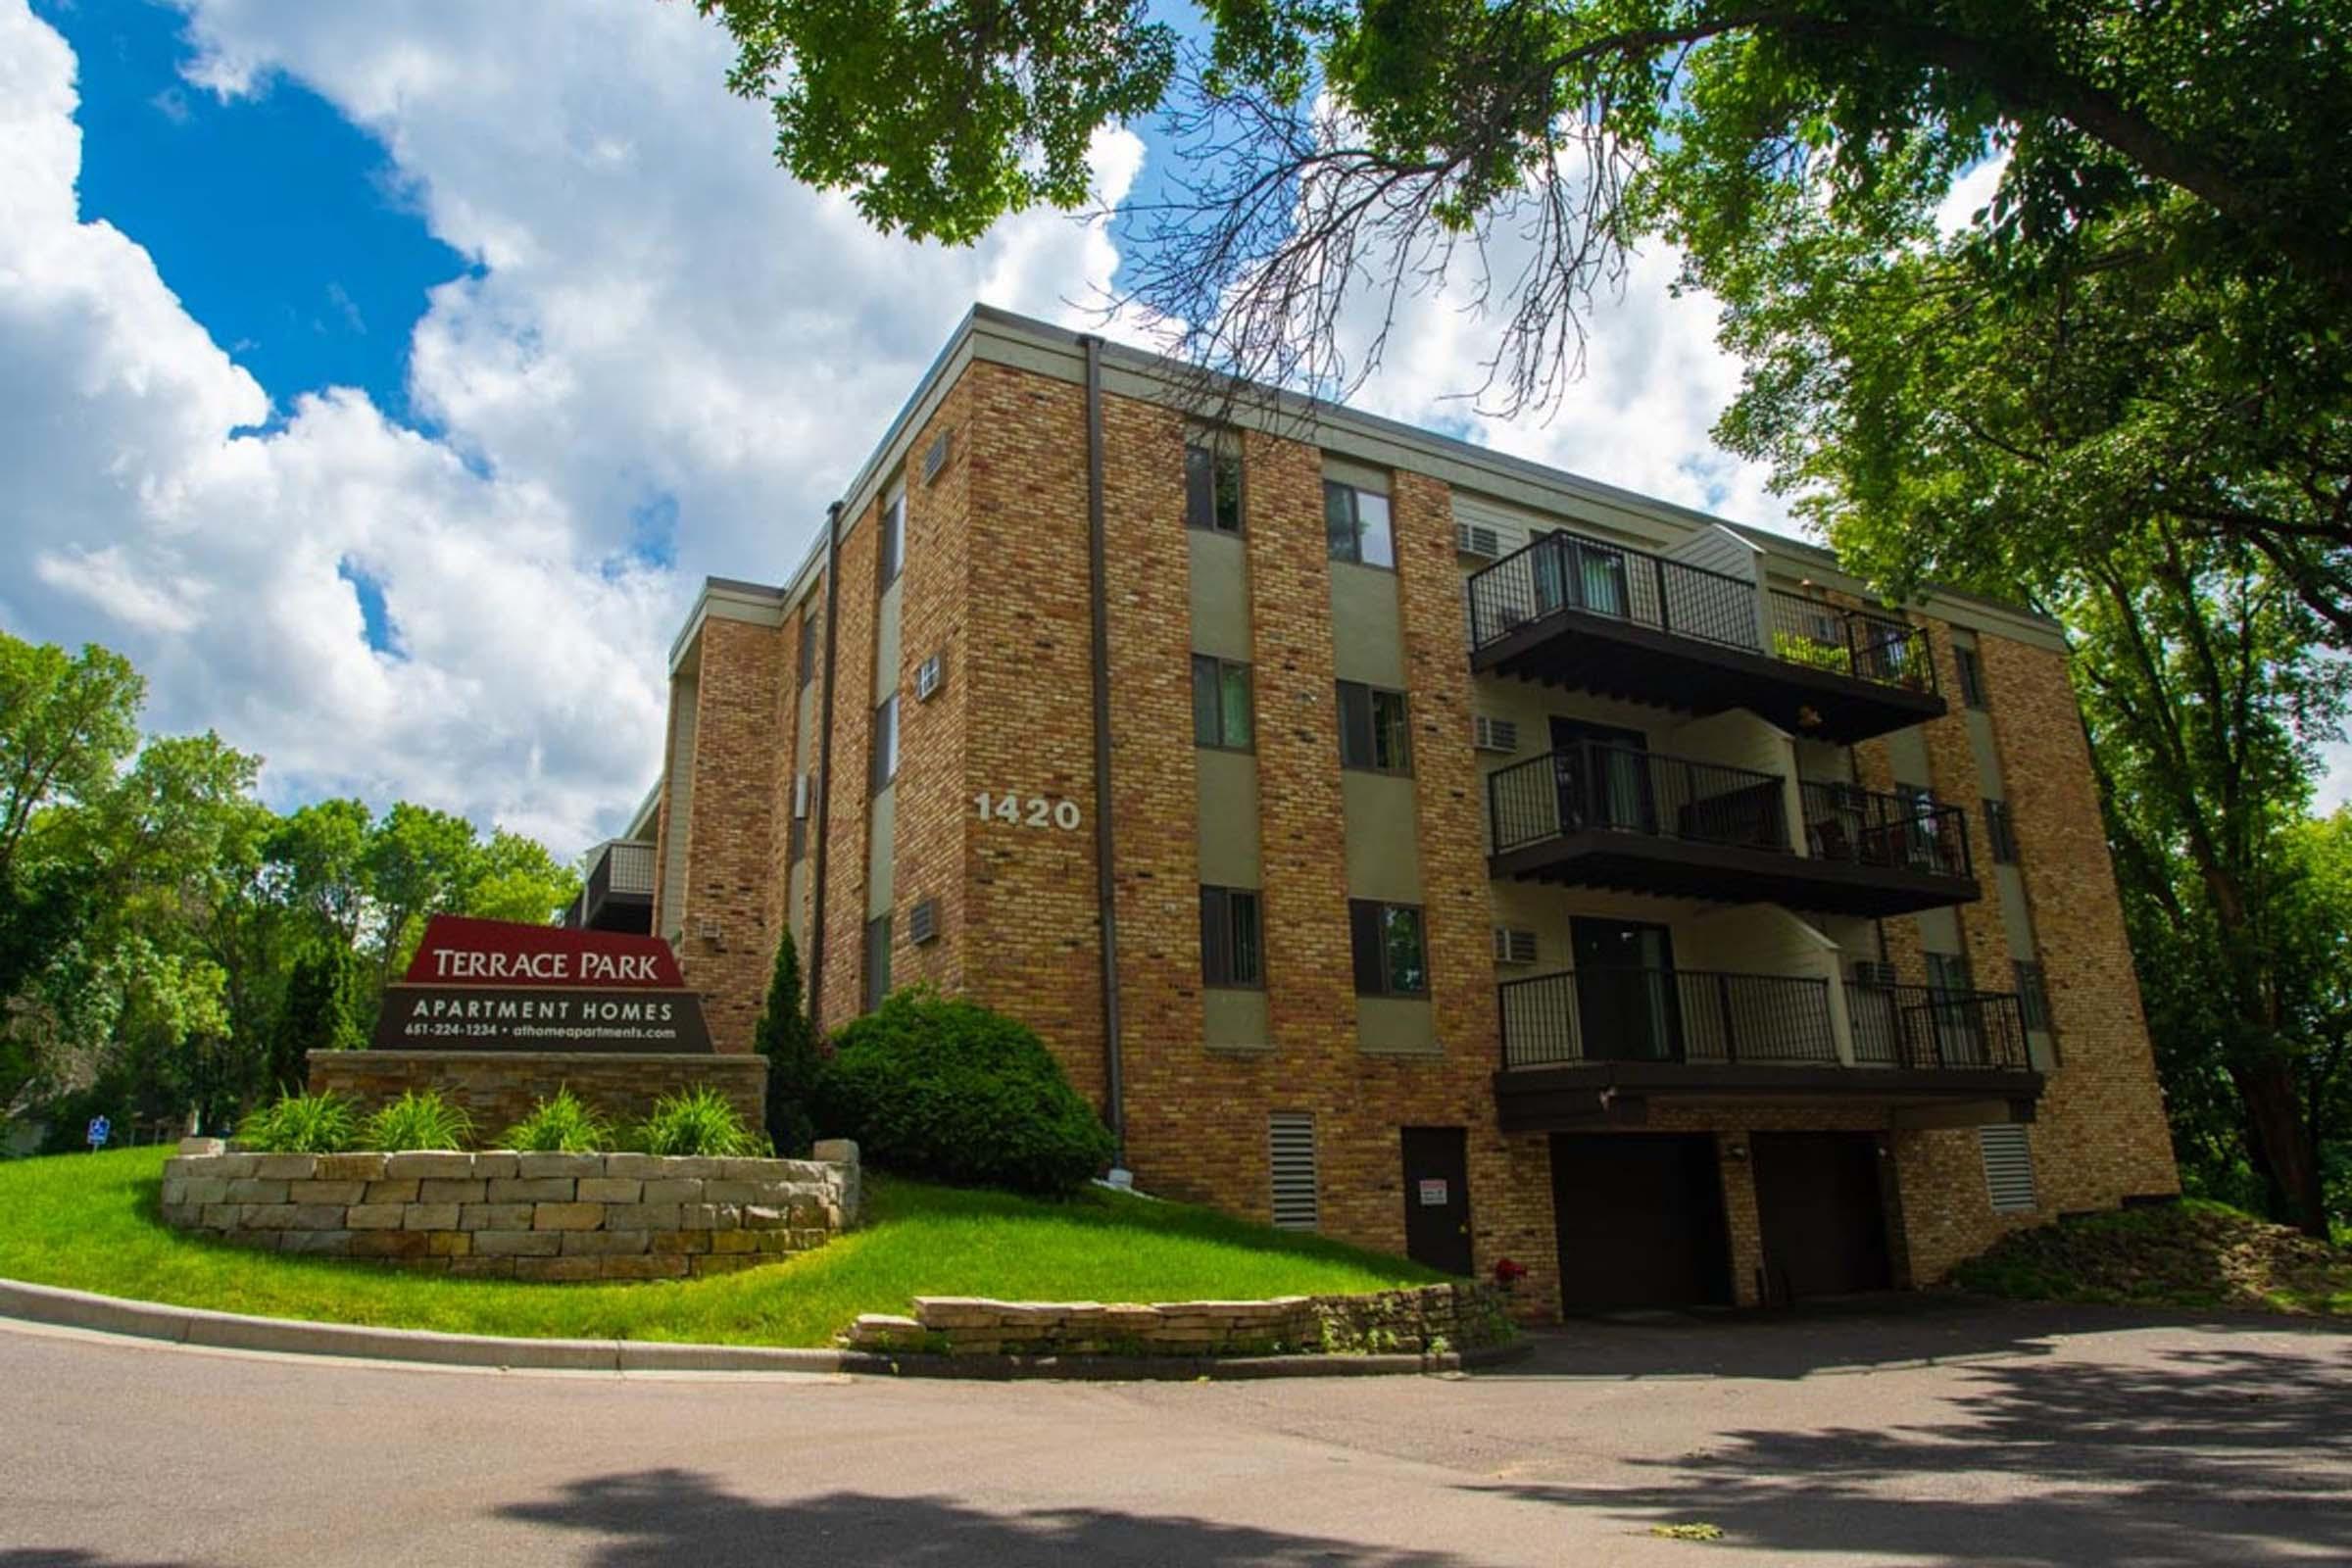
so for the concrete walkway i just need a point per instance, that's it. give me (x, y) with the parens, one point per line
(1958, 1436)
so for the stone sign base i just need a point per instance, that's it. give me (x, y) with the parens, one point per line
(498, 1088)
(523, 1216)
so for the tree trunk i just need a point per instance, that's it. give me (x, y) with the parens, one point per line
(2275, 1117)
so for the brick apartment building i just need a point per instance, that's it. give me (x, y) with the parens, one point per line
(1408, 842)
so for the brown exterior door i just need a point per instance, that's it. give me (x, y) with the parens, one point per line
(1824, 1224)
(1437, 1197)
(1640, 1221)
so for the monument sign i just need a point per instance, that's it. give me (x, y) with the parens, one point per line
(496, 985)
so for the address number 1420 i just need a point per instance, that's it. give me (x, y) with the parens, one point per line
(1026, 810)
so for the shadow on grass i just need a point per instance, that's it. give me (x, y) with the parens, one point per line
(2213, 1456)
(653, 1518)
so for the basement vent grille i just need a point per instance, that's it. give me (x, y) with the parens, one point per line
(927, 677)
(1513, 945)
(1476, 539)
(2008, 1169)
(936, 457)
(1293, 1135)
(922, 921)
(1494, 734)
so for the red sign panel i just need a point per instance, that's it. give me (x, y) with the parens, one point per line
(457, 951)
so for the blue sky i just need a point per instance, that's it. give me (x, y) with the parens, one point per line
(383, 379)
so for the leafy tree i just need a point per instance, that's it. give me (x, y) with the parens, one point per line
(785, 1036)
(324, 1011)
(318, 857)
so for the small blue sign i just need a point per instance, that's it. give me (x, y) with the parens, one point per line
(100, 1131)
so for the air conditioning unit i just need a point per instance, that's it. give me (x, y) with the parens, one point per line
(927, 677)
(1871, 972)
(936, 457)
(922, 921)
(803, 787)
(1513, 945)
(1477, 539)
(1494, 734)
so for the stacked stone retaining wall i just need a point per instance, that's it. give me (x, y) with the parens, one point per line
(523, 1216)
(1420, 1320)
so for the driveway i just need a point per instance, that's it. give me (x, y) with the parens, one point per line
(1936, 1436)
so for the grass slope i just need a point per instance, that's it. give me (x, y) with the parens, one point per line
(88, 1222)
(2193, 1255)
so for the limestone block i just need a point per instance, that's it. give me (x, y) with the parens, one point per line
(726, 1263)
(329, 1243)
(757, 1218)
(254, 1190)
(541, 1166)
(399, 1191)
(319, 1217)
(202, 1146)
(286, 1167)
(388, 1244)
(731, 1191)
(494, 1216)
(222, 1216)
(521, 1190)
(558, 1268)
(374, 1217)
(516, 1244)
(602, 1244)
(182, 1216)
(643, 1217)
(679, 1242)
(349, 1168)
(179, 1167)
(662, 1167)
(265, 1216)
(321, 1192)
(449, 1243)
(709, 1218)
(732, 1241)
(422, 1163)
(422, 1217)
(174, 1192)
(449, 1190)
(644, 1266)
(229, 1167)
(566, 1216)
(478, 1268)
(493, 1164)
(611, 1190)
(681, 1189)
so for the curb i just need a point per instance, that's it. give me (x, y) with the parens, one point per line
(232, 1331)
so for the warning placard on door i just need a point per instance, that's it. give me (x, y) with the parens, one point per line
(1432, 1191)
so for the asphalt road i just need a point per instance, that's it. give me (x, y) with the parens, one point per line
(1976, 1436)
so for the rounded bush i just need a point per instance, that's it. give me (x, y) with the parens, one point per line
(931, 1086)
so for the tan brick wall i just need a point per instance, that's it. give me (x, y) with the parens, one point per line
(844, 978)
(729, 855)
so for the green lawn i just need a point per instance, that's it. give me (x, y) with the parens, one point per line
(88, 1221)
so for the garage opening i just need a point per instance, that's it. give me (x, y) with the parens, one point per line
(1640, 1221)
(1824, 1218)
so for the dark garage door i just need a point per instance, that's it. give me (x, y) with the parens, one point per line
(1824, 1226)
(1640, 1221)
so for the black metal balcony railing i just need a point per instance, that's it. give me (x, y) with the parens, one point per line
(1848, 642)
(1568, 572)
(1891, 832)
(1622, 789)
(1931, 1027)
(1675, 1016)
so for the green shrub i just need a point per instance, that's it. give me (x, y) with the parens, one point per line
(302, 1125)
(698, 1121)
(930, 1086)
(564, 1124)
(419, 1119)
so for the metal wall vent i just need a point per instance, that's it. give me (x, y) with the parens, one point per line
(1512, 945)
(1476, 539)
(1494, 734)
(922, 921)
(1292, 1135)
(2008, 1167)
(936, 457)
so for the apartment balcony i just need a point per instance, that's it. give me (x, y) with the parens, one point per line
(618, 894)
(1594, 617)
(1599, 1046)
(1601, 815)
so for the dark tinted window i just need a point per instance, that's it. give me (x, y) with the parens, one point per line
(1230, 950)
(1374, 732)
(1212, 483)
(1385, 942)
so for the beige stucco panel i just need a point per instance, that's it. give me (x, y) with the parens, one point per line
(1228, 821)
(1384, 856)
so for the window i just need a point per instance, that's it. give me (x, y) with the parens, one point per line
(1972, 676)
(1212, 481)
(885, 753)
(1357, 523)
(808, 644)
(1385, 940)
(796, 839)
(894, 539)
(1221, 714)
(877, 961)
(2033, 995)
(1291, 1141)
(1373, 732)
(1229, 954)
(1948, 972)
(2001, 831)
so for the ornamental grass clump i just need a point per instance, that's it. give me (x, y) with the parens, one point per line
(302, 1125)
(698, 1121)
(564, 1124)
(419, 1119)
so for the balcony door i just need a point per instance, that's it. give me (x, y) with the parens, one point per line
(1574, 573)
(1626, 1005)
(1603, 778)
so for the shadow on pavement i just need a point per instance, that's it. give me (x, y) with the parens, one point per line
(2211, 1457)
(663, 1518)
(1859, 1333)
